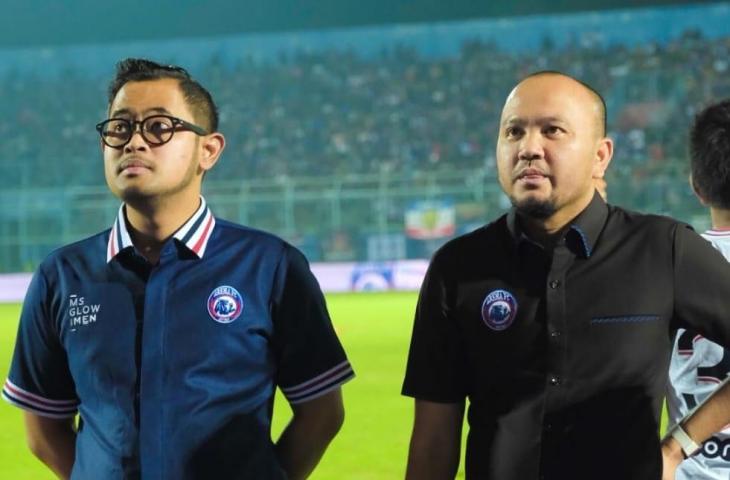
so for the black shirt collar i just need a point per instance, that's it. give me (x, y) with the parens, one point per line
(582, 234)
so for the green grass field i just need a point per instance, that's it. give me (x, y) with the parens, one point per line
(375, 330)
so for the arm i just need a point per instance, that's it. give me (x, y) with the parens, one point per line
(53, 441)
(702, 280)
(304, 440)
(435, 441)
(710, 417)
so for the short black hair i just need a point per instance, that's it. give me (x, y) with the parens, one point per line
(709, 151)
(601, 102)
(198, 98)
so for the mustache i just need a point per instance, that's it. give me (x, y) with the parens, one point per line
(527, 171)
(133, 162)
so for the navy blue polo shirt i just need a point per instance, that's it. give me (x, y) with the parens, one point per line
(172, 368)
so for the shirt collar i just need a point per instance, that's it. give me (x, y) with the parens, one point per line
(194, 234)
(582, 234)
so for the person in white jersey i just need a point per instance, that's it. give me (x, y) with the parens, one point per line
(698, 365)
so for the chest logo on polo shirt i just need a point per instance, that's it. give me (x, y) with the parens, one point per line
(499, 309)
(81, 312)
(225, 304)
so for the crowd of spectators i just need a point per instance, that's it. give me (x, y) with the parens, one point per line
(336, 112)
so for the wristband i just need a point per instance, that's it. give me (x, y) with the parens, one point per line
(689, 446)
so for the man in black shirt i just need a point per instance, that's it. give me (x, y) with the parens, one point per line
(555, 320)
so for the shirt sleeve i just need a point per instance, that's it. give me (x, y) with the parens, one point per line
(436, 369)
(39, 380)
(702, 287)
(310, 358)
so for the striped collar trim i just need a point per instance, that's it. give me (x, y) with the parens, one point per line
(718, 232)
(194, 234)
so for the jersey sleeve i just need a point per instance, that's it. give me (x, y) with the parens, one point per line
(702, 287)
(436, 364)
(310, 358)
(39, 380)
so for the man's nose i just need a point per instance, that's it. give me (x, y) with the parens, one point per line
(137, 142)
(531, 147)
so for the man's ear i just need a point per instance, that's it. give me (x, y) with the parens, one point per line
(604, 154)
(211, 149)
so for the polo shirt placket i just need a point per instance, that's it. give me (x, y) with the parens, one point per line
(153, 416)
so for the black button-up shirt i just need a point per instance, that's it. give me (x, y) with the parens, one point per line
(563, 354)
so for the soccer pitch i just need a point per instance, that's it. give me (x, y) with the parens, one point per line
(373, 443)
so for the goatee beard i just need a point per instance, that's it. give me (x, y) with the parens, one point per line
(535, 209)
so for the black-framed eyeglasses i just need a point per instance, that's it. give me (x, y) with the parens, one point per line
(155, 129)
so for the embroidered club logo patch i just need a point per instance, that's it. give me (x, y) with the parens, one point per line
(499, 309)
(225, 304)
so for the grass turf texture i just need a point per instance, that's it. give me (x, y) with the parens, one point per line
(375, 329)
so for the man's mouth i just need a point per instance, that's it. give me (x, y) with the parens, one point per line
(530, 174)
(133, 166)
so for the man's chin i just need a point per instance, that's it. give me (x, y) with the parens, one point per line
(535, 208)
(132, 194)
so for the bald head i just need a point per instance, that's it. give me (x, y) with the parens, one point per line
(551, 147)
(594, 99)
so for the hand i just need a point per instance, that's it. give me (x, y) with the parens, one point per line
(671, 458)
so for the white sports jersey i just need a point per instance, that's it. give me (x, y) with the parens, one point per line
(697, 367)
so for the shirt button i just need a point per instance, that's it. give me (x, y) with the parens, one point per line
(554, 284)
(555, 380)
(548, 427)
(555, 333)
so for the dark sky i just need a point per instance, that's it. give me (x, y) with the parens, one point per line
(55, 22)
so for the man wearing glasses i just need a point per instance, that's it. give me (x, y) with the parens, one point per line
(168, 333)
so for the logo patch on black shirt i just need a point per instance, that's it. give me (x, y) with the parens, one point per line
(499, 309)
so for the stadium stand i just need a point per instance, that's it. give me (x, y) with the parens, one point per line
(328, 146)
